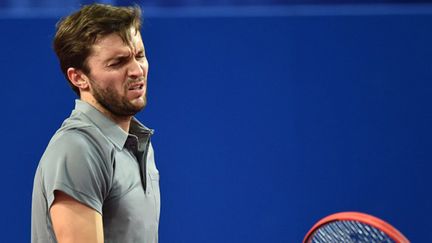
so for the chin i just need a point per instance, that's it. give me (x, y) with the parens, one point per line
(139, 103)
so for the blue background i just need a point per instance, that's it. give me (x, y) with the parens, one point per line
(266, 119)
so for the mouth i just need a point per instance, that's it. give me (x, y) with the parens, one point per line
(136, 86)
(136, 90)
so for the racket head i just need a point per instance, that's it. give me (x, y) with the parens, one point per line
(353, 227)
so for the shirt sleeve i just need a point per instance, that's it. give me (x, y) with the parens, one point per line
(77, 165)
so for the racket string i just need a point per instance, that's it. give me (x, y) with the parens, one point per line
(349, 232)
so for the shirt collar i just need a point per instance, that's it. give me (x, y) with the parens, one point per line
(109, 128)
(138, 129)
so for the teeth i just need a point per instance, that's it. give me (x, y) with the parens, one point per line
(136, 87)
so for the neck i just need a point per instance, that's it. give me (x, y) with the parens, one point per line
(122, 121)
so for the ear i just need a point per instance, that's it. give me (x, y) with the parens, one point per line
(78, 78)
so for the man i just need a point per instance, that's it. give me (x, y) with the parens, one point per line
(97, 180)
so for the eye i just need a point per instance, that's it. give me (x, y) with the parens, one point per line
(113, 64)
(116, 62)
(140, 56)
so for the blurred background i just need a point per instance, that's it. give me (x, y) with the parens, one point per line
(269, 114)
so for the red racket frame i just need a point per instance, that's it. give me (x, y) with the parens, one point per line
(373, 221)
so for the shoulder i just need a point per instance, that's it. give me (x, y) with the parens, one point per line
(83, 143)
(79, 133)
(74, 139)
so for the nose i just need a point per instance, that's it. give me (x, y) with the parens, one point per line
(138, 68)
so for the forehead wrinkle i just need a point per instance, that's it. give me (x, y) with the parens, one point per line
(137, 42)
(107, 51)
(103, 49)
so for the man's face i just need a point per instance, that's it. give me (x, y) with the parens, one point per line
(118, 74)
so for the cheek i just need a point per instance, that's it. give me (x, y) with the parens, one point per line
(117, 85)
(145, 66)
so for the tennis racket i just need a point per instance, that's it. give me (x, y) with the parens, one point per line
(353, 227)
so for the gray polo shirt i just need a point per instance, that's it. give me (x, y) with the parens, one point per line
(93, 160)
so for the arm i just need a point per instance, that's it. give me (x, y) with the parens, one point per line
(74, 221)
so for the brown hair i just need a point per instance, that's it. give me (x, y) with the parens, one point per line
(77, 33)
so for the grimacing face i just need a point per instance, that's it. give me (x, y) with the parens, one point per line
(118, 74)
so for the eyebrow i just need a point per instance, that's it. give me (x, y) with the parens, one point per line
(123, 56)
(118, 57)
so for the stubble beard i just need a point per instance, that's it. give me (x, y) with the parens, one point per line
(113, 102)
